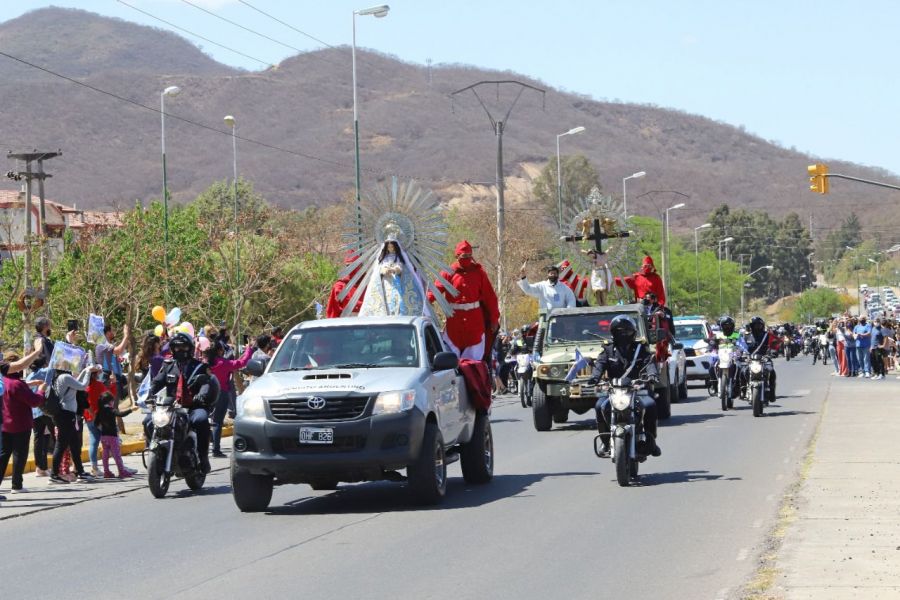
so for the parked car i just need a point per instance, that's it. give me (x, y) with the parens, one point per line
(358, 399)
(695, 332)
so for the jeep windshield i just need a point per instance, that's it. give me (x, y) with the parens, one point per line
(588, 327)
(350, 347)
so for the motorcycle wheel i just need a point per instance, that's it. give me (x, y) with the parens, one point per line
(723, 394)
(523, 396)
(158, 480)
(195, 481)
(757, 401)
(623, 470)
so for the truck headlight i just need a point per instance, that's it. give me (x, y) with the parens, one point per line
(251, 406)
(394, 402)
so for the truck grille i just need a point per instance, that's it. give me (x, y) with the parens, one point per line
(292, 410)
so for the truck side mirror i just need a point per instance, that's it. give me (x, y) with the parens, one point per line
(655, 335)
(255, 368)
(678, 346)
(445, 361)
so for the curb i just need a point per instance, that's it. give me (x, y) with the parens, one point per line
(129, 448)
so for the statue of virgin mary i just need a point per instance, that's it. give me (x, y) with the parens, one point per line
(394, 287)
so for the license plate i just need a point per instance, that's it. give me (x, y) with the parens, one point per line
(575, 391)
(316, 435)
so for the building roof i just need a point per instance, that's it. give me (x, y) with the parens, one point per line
(65, 215)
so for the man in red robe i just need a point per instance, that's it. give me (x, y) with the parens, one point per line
(335, 307)
(476, 313)
(645, 280)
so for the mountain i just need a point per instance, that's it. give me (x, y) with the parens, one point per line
(409, 126)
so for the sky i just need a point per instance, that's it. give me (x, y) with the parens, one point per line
(817, 76)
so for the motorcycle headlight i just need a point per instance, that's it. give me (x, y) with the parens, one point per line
(620, 398)
(250, 406)
(756, 367)
(394, 402)
(162, 417)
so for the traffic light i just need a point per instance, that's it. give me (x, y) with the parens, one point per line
(818, 182)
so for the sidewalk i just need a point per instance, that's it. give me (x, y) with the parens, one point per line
(41, 495)
(841, 529)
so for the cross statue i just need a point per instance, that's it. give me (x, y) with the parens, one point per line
(599, 231)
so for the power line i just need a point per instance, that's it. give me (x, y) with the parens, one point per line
(196, 35)
(288, 25)
(262, 35)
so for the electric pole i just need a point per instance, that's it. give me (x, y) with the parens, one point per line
(28, 175)
(498, 126)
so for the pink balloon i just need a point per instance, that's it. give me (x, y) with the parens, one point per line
(203, 344)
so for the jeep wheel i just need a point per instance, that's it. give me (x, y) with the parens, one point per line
(664, 402)
(252, 493)
(540, 410)
(427, 476)
(477, 455)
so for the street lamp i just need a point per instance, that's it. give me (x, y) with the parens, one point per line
(665, 244)
(877, 273)
(856, 268)
(747, 284)
(637, 175)
(229, 120)
(572, 131)
(697, 260)
(722, 241)
(378, 12)
(172, 90)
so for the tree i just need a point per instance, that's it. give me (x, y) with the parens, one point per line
(819, 302)
(579, 177)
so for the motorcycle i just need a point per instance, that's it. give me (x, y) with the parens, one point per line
(760, 365)
(821, 349)
(628, 442)
(725, 371)
(809, 343)
(524, 372)
(173, 447)
(788, 347)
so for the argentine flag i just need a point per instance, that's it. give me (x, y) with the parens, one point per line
(580, 363)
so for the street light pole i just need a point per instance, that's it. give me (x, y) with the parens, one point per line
(379, 12)
(877, 274)
(172, 90)
(637, 175)
(572, 131)
(230, 121)
(665, 248)
(722, 241)
(697, 259)
(746, 285)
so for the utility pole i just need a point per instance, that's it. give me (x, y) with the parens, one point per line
(499, 125)
(29, 175)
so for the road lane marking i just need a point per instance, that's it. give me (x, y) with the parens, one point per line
(757, 524)
(742, 555)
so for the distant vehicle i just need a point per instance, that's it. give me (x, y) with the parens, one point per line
(863, 287)
(695, 333)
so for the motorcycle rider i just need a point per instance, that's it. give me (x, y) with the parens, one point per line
(625, 357)
(188, 380)
(726, 336)
(761, 340)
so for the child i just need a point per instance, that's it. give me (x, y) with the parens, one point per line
(109, 434)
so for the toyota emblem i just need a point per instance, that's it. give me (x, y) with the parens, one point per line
(315, 403)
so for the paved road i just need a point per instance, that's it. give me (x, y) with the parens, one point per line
(552, 524)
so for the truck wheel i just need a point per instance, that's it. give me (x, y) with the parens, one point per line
(427, 476)
(664, 402)
(477, 455)
(682, 389)
(560, 415)
(251, 493)
(540, 410)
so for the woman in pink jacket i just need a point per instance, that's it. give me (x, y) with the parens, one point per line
(223, 369)
(15, 433)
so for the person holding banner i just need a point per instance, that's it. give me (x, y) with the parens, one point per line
(108, 353)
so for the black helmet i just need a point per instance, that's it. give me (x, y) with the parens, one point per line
(727, 324)
(623, 330)
(757, 325)
(182, 346)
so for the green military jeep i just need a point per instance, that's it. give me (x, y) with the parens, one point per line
(585, 328)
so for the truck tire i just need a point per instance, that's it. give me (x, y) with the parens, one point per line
(664, 402)
(540, 410)
(477, 455)
(427, 476)
(683, 389)
(251, 493)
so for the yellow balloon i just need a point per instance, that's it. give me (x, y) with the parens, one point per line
(158, 331)
(159, 313)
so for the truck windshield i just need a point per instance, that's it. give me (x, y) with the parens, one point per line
(694, 331)
(369, 346)
(583, 327)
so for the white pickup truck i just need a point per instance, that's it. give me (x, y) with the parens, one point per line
(357, 399)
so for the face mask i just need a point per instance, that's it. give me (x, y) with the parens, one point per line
(465, 263)
(552, 279)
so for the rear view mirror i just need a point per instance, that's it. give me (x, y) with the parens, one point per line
(678, 346)
(255, 368)
(445, 361)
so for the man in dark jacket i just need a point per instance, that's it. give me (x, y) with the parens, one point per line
(188, 381)
(625, 357)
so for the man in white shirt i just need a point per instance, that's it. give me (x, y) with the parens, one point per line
(551, 293)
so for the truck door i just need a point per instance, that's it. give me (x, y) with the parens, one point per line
(442, 390)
